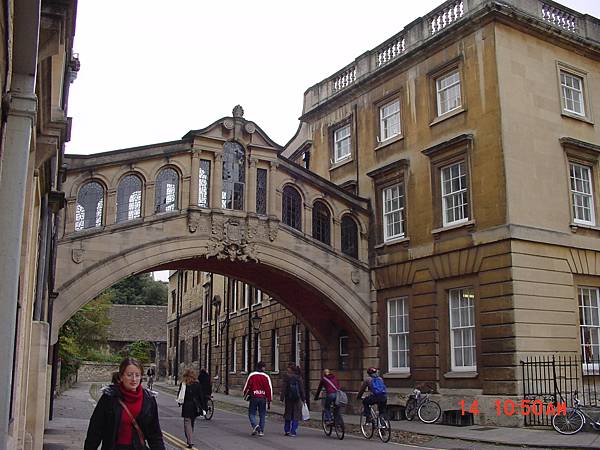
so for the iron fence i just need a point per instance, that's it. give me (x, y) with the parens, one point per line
(554, 379)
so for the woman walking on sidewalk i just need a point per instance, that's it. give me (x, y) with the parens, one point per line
(190, 398)
(293, 396)
(126, 416)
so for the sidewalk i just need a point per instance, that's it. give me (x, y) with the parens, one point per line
(478, 433)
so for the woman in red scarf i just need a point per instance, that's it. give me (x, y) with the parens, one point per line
(126, 416)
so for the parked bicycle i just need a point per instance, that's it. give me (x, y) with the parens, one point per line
(337, 423)
(210, 405)
(368, 425)
(574, 419)
(421, 405)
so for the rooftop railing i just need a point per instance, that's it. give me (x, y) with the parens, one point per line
(444, 17)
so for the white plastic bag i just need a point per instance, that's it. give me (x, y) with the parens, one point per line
(181, 395)
(305, 412)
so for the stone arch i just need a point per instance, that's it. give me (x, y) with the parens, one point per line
(176, 165)
(178, 198)
(327, 207)
(311, 291)
(362, 226)
(86, 177)
(103, 200)
(142, 198)
(303, 224)
(135, 171)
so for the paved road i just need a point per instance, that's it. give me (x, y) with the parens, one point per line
(226, 431)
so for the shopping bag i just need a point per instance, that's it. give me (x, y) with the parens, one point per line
(305, 412)
(181, 395)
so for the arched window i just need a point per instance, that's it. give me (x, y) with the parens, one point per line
(234, 176)
(349, 237)
(167, 186)
(129, 198)
(291, 208)
(321, 223)
(90, 206)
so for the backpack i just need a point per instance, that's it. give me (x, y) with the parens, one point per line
(377, 386)
(292, 392)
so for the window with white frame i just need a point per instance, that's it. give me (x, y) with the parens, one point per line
(247, 293)
(571, 88)
(455, 195)
(275, 350)
(393, 212)
(297, 344)
(389, 120)
(398, 338)
(343, 343)
(234, 296)
(462, 329)
(233, 355)
(448, 92)
(245, 353)
(258, 348)
(257, 296)
(582, 196)
(589, 323)
(341, 143)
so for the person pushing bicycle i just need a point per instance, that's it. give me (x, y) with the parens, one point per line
(374, 383)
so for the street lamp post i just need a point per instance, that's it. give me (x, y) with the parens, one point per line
(216, 304)
(256, 320)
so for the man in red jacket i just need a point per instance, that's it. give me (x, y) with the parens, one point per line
(260, 392)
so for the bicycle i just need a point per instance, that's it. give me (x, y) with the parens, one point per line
(150, 382)
(376, 420)
(210, 409)
(574, 419)
(420, 404)
(337, 423)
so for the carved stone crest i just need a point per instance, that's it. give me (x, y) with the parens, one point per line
(196, 220)
(230, 239)
(77, 255)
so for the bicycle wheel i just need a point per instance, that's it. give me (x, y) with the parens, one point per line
(429, 412)
(340, 429)
(327, 427)
(570, 423)
(384, 429)
(410, 410)
(367, 427)
(211, 409)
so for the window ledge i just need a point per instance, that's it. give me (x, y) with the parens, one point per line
(574, 226)
(397, 375)
(576, 116)
(449, 114)
(470, 224)
(459, 374)
(243, 310)
(341, 163)
(389, 141)
(256, 305)
(401, 240)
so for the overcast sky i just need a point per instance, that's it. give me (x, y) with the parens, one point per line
(153, 70)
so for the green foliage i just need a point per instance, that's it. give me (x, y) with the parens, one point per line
(140, 350)
(83, 334)
(139, 290)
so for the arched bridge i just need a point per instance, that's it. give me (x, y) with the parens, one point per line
(222, 199)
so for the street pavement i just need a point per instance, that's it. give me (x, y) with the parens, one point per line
(230, 430)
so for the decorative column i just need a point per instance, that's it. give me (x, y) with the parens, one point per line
(251, 186)
(194, 181)
(217, 182)
(69, 213)
(149, 199)
(111, 207)
(272, 189)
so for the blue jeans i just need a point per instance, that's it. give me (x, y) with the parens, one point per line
(291, 426)
(329, 400)
(260, 405)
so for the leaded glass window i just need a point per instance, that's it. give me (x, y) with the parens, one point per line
(166, 193)
(90, 206)
(321, 223)
(261, 191)
(129, 198)
(234, 176)
(204, 183)
(291, 208)
(349, 237)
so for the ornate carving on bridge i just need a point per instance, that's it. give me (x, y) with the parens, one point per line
(235, 238)
(197, 219)
(77, 255)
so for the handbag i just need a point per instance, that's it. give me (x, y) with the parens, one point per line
(305, 411)
(181, 395)
(135, 425)
(340, 396)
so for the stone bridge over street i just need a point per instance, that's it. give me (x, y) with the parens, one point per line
(222, 199)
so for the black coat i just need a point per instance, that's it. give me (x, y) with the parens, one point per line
(106, 418)
(205, 383)
(192, 400)
(293, 408)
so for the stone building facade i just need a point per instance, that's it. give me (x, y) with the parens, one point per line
(473, 134)
(37, 66)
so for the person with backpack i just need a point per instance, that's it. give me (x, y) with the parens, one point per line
(293, 396)
(378, 395)
(258, 390)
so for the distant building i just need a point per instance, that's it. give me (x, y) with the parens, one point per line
(131, 323)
